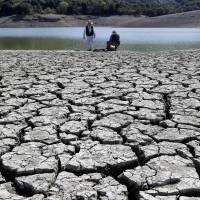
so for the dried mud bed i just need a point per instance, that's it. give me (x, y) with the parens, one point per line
(99, 126)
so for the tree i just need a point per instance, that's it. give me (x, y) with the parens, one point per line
(62, 7)
(6, 8)
(24, 9)
(97, 7)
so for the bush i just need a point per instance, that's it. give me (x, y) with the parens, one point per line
(6, 8)
(24, 9)
(62, 7)
(48, 11)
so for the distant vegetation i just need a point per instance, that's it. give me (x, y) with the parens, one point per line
(97, 7)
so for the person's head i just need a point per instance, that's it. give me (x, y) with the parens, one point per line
(114, 32)
(90, 23)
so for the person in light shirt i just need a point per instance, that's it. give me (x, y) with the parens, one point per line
(89, 35)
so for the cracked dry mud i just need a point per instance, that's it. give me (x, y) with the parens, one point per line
(99, 126)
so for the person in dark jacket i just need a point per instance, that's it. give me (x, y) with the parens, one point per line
(89, 34)
(114, 41)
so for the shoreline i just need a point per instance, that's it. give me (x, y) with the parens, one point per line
(179, 20)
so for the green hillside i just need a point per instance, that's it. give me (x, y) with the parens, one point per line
(97, 7)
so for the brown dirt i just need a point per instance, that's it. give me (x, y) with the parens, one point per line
(187, 19)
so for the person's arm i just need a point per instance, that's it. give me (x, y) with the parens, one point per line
(94, 34)
(111, 38)
(119, 38)
(84, 33)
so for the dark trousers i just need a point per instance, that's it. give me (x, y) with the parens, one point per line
(112, 46)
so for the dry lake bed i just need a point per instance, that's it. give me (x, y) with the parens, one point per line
(99, 126)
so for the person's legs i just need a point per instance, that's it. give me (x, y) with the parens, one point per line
(116, 46)
(90, 42)
(108, 45)
(111, 46)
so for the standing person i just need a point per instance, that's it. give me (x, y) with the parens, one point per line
(114, 41)
(89, 34)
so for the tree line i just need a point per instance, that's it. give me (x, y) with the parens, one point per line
(96, 7)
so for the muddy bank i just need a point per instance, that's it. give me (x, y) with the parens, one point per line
(81, 125)
(187, 19)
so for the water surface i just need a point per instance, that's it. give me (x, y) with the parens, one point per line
(138, 39)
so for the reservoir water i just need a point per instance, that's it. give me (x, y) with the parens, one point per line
(70, 38)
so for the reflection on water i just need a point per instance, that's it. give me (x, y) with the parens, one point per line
(138, 39)
(40, 43)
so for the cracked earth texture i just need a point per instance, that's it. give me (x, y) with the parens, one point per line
(99, 126)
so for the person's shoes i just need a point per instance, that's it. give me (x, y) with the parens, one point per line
(89, 49)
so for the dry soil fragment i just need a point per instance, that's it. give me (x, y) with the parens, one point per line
(90, 186)
(93, 156)
(165, 175)
(27, 159)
